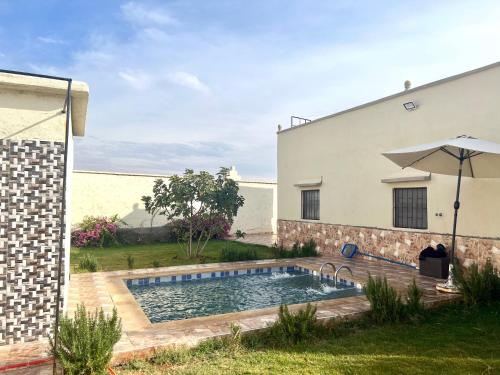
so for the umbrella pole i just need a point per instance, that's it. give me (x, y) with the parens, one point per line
(456, 206)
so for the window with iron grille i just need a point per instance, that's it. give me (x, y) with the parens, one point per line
(310, 204)
(410, 208)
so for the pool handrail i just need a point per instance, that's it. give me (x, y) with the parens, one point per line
(343, 266)
(326, 264)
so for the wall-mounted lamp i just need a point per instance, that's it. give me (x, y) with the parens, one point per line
(410, 106)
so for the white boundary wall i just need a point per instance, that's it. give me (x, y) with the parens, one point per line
(109, 193)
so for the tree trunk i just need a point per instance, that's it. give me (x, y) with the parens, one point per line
(190, 245)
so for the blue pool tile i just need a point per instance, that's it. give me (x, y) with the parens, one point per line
(157, 280)
(189, 277)
(235, 273)
(198, 276)
(174, 279)
(146, 281)
(281, 269)
(213, 275)
(183, 277)
(352, 283)
(249, 271)
(306, 271)
(290, 269)
(129, 282)
(269, 270)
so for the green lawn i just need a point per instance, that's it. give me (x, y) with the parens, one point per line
(168, 254)
(451, 340)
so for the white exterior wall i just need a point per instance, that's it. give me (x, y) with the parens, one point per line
(345, 150)
(32, 136)
(106, 194)
(260, 211)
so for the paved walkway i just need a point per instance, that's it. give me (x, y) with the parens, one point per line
(107, 290)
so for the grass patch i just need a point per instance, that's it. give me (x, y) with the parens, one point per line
(163, 254)
(450, 340)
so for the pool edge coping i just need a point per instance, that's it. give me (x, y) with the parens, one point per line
(122, 296)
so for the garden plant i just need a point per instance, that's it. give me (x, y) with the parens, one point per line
(196, 199)
(96, 231)
(86, 342)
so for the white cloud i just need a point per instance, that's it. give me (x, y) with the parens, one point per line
(46, 69)
(151, 157)
(139, 14)
(137, 79)
(258, 79)
(50, 40)
(188, 80)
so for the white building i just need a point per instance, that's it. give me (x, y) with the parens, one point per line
(335, 186)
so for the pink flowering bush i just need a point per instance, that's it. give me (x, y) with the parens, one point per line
(217, 227)
(96, 231)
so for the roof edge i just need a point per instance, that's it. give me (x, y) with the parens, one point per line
(53, 86)
(136, 174)
(398, 94)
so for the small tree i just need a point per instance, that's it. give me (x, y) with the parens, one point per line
(196, 198)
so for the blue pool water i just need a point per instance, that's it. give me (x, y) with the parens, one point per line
(183, 300)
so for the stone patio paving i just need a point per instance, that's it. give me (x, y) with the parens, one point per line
(107, 290)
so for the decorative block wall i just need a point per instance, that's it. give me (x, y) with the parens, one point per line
(31, 178)
(399, 245)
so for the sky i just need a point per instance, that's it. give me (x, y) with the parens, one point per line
(202, 84)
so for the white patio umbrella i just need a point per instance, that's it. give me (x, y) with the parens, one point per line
(462, 156)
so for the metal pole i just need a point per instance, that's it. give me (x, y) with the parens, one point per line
(17, 72)
(67, 108)
(456, 206)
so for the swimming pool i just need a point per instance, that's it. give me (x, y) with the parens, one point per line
(189, 296)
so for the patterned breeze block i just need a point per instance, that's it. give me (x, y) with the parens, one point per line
(31, 177)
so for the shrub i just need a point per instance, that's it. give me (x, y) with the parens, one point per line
(240, 234)
(308, 249)
(96, 232)
(293, 328)
(414, 304)
(156, 264)
(233, 255)
(85, 343)
(219, 226)
(385, 302)
(88, 262)
(295, 251)
(130, 262)
(279, 251)
(477, 286)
